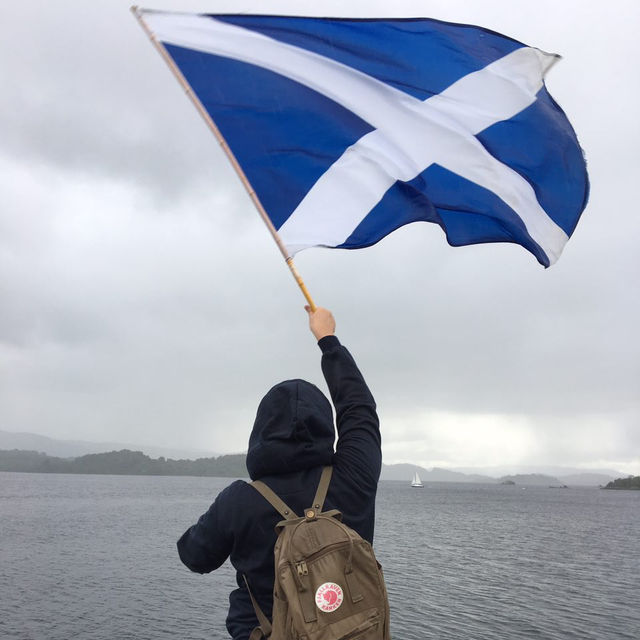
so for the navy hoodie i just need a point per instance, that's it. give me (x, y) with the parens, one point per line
(292, 439)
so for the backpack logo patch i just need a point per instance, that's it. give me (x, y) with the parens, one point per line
(329, 596)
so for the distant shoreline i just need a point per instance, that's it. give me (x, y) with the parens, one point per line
(124, 462)
(136, 463)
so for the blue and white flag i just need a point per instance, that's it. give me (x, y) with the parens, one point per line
(348, 129)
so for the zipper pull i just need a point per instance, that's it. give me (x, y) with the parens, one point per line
(302, 568)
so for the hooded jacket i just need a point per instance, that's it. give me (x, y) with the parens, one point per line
(292, 439)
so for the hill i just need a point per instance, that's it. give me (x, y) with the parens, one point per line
(632, 482)
(73, 448)
(183, 462)
(531, 480)
(127, 462)
(580, 475)
(124, 462)
(404, 472)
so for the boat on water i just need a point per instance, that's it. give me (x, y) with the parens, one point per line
(416, 482)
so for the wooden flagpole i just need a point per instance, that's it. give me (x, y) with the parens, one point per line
(223, 143)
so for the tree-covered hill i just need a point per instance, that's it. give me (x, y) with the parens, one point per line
(632, 482)
(123, 462)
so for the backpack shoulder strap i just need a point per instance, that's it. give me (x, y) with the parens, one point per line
(279, 505)
(323, 487)
(273, 499)
(264, 630)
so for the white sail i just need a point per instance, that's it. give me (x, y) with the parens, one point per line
(416, 482)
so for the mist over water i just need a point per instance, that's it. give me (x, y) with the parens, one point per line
(94, 557)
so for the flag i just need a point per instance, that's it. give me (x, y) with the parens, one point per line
(348, 129)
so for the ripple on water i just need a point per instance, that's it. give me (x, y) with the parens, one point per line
(94, 557)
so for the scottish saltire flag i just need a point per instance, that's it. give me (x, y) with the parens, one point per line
(348, 129)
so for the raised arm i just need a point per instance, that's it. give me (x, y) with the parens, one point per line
(359, 443)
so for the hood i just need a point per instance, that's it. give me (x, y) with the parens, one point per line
(293, 430)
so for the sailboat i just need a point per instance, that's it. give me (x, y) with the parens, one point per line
(416, 482)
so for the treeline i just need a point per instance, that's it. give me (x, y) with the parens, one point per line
(632, 482)
(123, 462)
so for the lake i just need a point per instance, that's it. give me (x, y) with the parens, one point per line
(88, 556)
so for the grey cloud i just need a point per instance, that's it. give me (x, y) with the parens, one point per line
(143, 300)
(79, 97)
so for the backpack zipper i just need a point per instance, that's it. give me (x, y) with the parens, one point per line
(302, 566)
(318, 554)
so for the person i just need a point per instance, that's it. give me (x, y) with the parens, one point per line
(292, 439)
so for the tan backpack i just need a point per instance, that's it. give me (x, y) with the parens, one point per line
(328, 584)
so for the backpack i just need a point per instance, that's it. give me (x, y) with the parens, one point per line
(328, 584)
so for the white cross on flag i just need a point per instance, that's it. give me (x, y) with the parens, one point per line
(348, 129)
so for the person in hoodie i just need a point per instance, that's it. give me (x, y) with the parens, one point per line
(292, 439)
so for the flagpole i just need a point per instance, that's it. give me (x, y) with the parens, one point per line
(223, 143)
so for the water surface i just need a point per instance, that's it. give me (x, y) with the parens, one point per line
(88, 556)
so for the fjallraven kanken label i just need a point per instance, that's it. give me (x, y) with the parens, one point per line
(328, 583)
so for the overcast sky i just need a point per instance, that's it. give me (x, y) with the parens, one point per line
(142, 299)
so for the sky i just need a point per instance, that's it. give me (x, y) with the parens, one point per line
(142, 299)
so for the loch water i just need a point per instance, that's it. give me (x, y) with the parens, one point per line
(93, 557)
